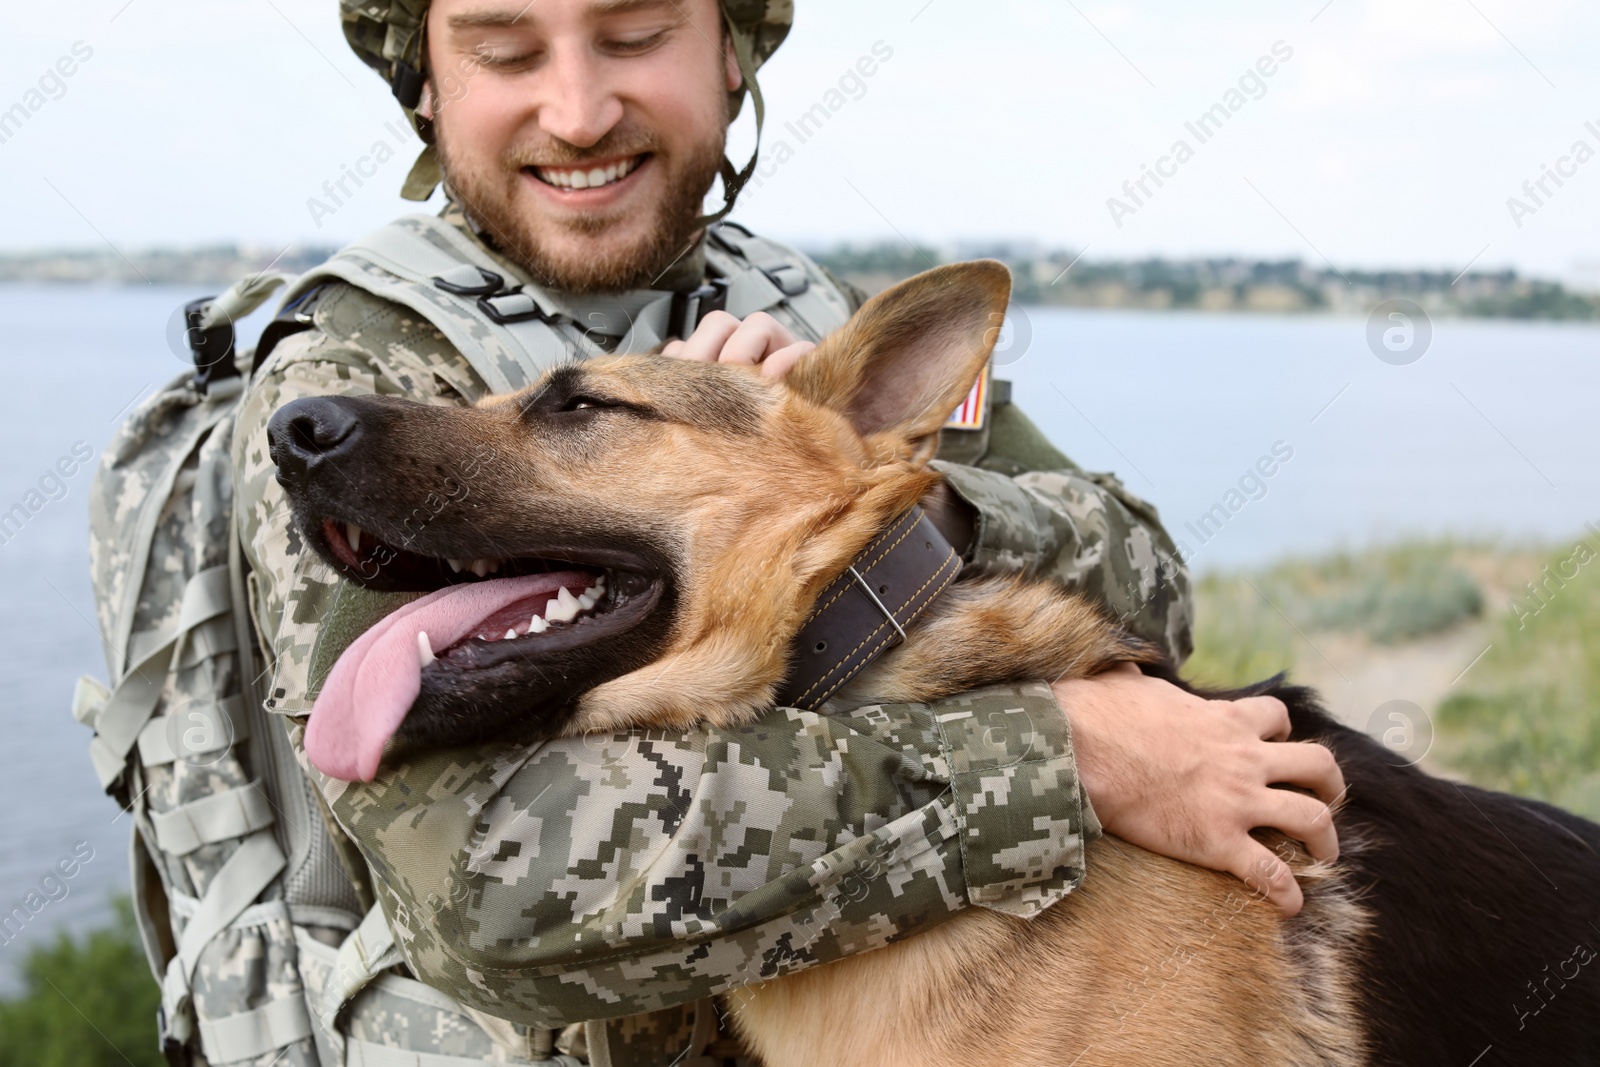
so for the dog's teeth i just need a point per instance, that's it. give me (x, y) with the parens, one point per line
(564, 608)
(352, 534)
(588, 599)
(511, 633)
(456, 565)
(600, 583)
(537, 625)
(424, 650)
(480, 567)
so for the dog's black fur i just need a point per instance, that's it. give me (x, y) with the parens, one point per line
(1485, 907)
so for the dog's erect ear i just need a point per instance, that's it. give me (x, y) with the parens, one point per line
(910, 355)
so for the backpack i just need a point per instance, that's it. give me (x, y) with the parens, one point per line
(267, 946)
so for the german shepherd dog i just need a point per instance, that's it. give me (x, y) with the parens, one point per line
(692, 513)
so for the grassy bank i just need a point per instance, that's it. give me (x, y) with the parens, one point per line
(1249, 623)
(1528, 717)
(1510, 679)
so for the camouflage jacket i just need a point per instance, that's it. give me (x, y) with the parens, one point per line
(604, 877)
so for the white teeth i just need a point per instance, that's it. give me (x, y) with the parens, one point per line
(588, 599)
(511, 633)
(424, 650)
(586, 179)
(352, 534)
(455, 565)
(600, 584)
(564, 608)
(538, 625)
(480, 567)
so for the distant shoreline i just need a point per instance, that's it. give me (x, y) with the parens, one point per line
(1041, 278)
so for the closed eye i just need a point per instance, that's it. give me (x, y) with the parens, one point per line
(635, 46)
(590, 402)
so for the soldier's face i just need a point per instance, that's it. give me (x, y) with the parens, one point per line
(582, 135)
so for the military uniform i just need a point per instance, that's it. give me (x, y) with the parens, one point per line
(607, 877)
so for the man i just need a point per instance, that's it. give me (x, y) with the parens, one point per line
(604, 878)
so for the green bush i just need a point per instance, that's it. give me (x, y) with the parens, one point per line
(86, 1002)
(1245, 623)
(1394, 594)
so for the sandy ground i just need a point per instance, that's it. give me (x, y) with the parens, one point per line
(1359, 679)
(1361, 683)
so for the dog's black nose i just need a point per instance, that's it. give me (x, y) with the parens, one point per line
(305, 433)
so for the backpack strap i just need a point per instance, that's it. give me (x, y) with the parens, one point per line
(765, 274)
(230, 894)
(508, 332)
(120, 721)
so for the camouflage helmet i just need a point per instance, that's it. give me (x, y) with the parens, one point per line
(387, 35)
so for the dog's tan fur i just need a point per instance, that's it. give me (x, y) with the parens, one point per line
(768, 490)
(1152, 962)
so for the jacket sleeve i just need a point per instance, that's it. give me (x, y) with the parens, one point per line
(1041, 514)
(600, 877)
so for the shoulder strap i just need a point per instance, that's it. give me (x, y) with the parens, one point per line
(508, 329)
(765, 273)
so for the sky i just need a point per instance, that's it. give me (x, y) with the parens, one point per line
(1387, 134)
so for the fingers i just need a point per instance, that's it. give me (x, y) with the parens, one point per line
(783, 360)
(705, 344)
(721, 338)
(1267, 876)
(757, 337)
(1268, 716)
(1305, 819)
(1307, 765)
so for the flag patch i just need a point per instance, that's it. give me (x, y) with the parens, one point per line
(969, 416)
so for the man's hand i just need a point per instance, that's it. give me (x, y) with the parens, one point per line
(759, 339)
(1190, 778)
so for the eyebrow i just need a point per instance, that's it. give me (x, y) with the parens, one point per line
(496, 18)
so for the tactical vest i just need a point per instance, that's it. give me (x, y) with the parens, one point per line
(265, 951)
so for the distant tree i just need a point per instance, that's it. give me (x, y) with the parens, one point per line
(1537, 300)
(86, 1002)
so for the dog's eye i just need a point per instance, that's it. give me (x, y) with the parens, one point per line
(579, 403)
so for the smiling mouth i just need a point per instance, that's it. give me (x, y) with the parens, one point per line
(537, 604)
(592, 176)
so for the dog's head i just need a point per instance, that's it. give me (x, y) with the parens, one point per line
(632, 540)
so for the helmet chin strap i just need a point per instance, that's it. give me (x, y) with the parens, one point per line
(733, 181)
(424, 176)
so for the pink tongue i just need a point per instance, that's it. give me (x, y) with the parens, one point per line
(372, 686)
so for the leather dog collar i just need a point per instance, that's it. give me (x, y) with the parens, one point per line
(865, 611)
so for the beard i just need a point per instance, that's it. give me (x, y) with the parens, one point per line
(488, 195)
